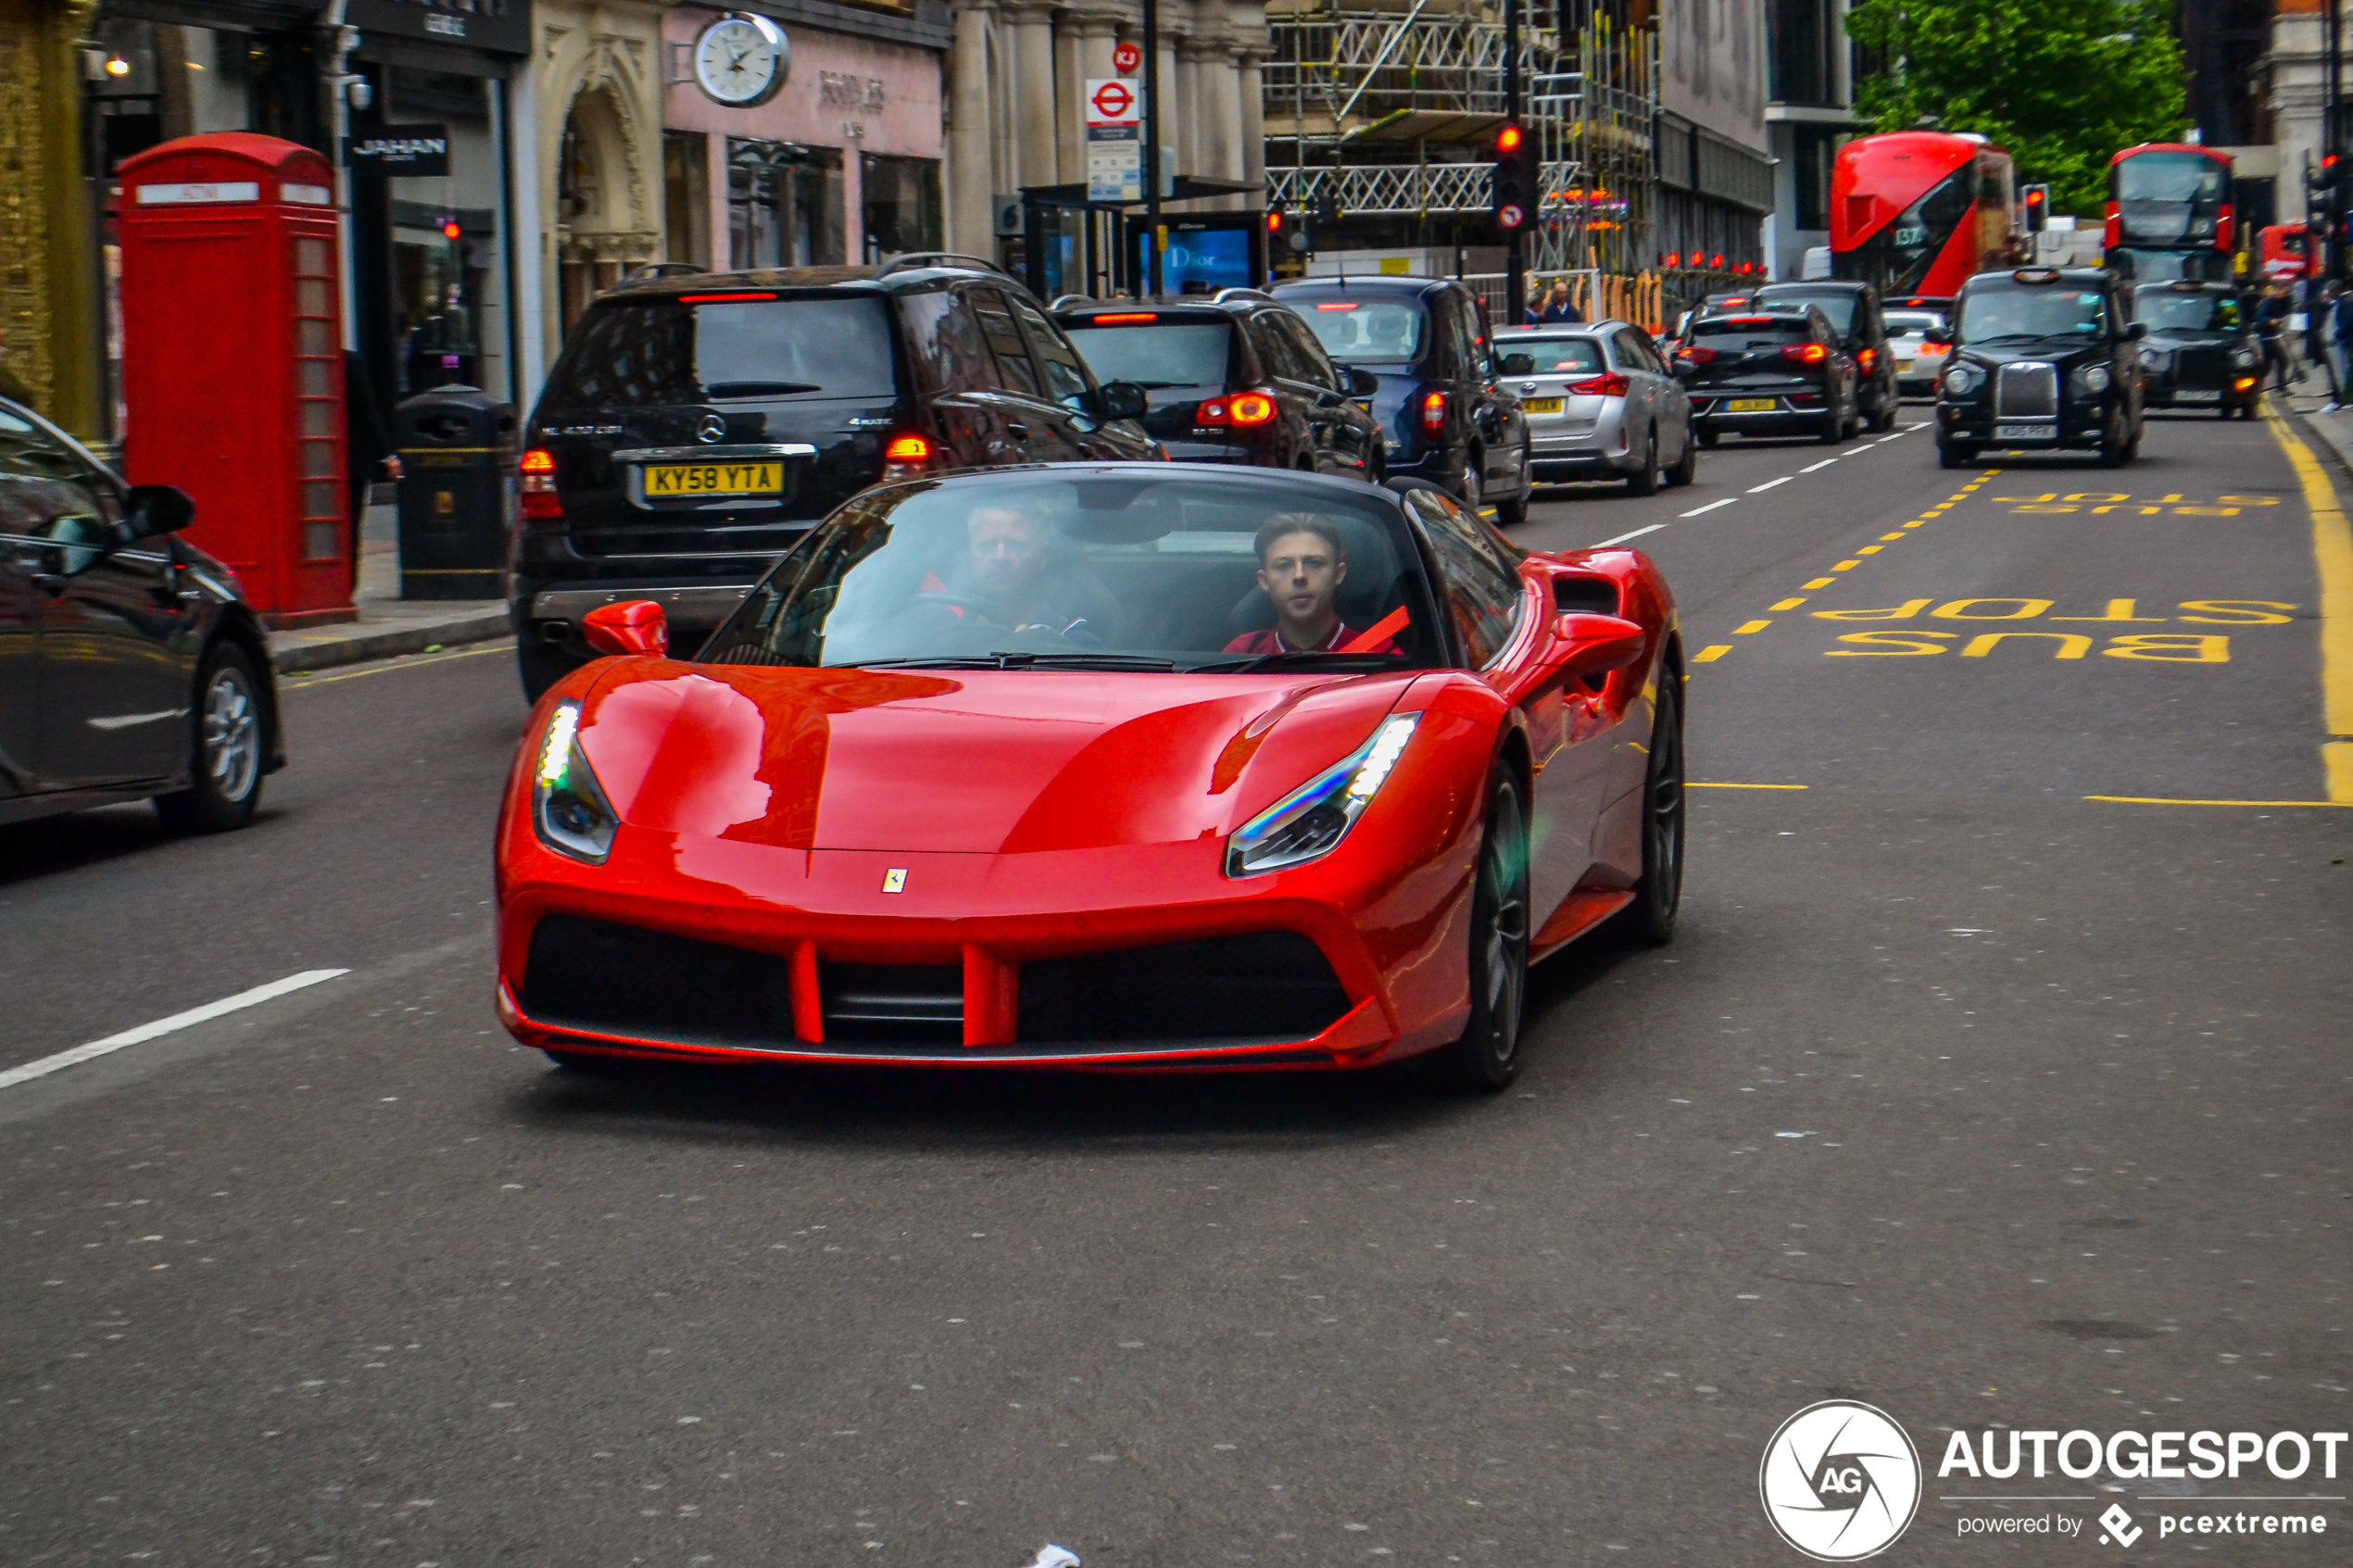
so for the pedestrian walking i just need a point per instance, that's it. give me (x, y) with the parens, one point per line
(2340, 343)
(2320, 339)
(367, 449)
(2270, 331)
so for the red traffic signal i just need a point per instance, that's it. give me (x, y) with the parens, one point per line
(1507, 141)
(1274, 220)
(450, 230)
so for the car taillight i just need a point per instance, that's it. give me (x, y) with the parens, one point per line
(1806, 353)
(1698, 356)
(1866, 356)
(539, 492)
(1214, 412)
(1250, 408)
(1434, 411)
(1611, 385)
(908, 449)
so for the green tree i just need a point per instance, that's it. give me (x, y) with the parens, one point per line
(2063, 84)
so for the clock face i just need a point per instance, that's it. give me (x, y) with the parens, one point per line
(741, 60)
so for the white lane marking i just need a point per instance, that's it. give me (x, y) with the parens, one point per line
(1922, 425)
(1711, 506)
(1769, 483)
(1623, 537)
(161, 1026)
(1818, 466)
(1885, 439)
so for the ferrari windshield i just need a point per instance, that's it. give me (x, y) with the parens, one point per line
(1094, 570)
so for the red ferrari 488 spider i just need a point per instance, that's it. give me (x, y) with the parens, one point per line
(1130, 766)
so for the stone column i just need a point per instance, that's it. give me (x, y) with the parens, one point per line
(1034, 162)
(1187, 98)
(1254, 125)
(971, 149)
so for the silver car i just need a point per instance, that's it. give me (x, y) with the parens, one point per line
(1917, 359)
(1600, 404)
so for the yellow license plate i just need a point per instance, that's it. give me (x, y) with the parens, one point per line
(1749, 406)
(1540, 405)
(714, 479)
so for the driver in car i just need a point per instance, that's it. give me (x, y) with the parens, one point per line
(1301, 566)
(1010, 563)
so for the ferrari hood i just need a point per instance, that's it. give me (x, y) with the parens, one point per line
(975, 762)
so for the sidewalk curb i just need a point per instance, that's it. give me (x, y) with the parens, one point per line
(2317, 438)
(481, 626)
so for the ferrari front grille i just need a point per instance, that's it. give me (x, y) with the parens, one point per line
(883, 1002)
(2026, 390)
(626, 980)
(1264, 985)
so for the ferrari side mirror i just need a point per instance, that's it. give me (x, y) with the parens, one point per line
(633, 626)
(1593, 645)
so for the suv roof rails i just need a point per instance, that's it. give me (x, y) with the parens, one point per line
(909, 260)
(662, 270)
(1222, 295)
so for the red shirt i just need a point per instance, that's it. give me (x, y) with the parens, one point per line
(1271, 641)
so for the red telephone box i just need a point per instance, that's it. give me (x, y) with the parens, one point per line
(233, 359)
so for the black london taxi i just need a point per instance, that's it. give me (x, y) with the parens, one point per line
(697, 425)
(2044, 358)
(2200, 352)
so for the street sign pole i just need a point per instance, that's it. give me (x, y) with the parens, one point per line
(1152, 148)
(1515, 255)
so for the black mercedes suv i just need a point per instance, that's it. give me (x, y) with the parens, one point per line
(696, 426)
(2043, 358)
(1233, 378)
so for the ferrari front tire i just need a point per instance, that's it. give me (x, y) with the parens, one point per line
(1487, 1057)
(1659, 894)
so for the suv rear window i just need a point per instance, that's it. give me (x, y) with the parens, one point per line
(646, 354)
(1366, 331)
(1836, 304)
(1735, 333)
(1152, 351)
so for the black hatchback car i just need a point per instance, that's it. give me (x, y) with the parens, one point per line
(1853, 312)
(2199, 353)
(1233, 378)
(696, 426)
(131, 666)
(1443, 413)
(2044, 358)
(1783, 371)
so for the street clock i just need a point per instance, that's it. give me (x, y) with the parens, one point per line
(742, 60)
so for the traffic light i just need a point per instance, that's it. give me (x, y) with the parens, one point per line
(1514, 196)
(1285, 231)
(2322, 179)
(2038, 208)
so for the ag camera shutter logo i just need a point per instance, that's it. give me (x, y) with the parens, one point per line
(1841, 1481)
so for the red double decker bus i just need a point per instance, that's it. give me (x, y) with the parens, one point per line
(2170, 212)
(1917, 212)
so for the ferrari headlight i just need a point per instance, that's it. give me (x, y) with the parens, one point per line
(568, 806)
(2093, 378)
(1312, 819)
(1962, 378)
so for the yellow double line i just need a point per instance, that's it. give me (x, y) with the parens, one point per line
(2333, 558)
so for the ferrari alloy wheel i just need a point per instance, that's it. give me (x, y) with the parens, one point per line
(231, 732)
(1643, 481)
(1660, 892)
(1487, 1057)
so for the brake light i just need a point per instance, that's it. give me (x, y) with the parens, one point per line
(719, 299)
(1348, 306)
(539, 495)
(908, 449)
(1434, 410)
(1251, 409)
(1698, 356)
(1212, 413)
(1611, 385)
(1867, 356)
(1127, 316)
(1806, 353)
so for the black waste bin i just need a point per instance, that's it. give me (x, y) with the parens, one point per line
(456, 493)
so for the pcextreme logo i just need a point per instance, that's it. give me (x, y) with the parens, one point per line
(1841, 1481)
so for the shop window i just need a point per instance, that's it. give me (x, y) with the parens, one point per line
(900, 204)
(784, 203)
(685, 196)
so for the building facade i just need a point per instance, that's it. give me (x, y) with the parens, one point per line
(1810, 110)
(1715, 171)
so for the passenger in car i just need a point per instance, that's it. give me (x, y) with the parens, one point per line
(1301, 566)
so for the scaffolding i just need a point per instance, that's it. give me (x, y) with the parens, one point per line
(1388, 107)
